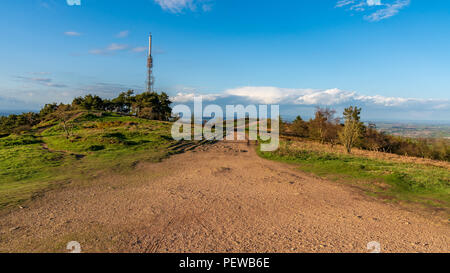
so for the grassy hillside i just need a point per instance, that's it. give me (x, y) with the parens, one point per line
(44, 158)
(384, 175)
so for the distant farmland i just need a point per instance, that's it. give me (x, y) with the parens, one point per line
(416, 130)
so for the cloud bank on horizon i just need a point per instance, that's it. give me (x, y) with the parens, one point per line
(292, 100)
(310, 97)
(376, 10)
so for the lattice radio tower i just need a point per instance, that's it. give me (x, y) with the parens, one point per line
(150, 79)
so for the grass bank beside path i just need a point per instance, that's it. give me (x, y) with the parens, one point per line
(393, 178)
(45, 159)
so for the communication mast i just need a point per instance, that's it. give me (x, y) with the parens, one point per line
(150, 79)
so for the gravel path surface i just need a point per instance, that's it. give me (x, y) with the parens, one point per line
(217, 198)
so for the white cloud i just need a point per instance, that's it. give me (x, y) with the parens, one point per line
(343, 3)
(139, 49)
(374, 2)
(109, 49)
(313, 97)
(98, 52)
(123, 34)
(43, 92)
(41, 81)
(389, 11)
(326, 97)
(40, 73)
(266, 94)
(115, 47)
(189, 97)
(379, 10)
(72, 33)
(178, 6)
(9, 105)
(292, 101)
(73, 2)
(207, 7)
(353, 3)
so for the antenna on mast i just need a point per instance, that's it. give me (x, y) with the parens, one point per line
(150, 79)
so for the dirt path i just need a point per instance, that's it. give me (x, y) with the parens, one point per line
(217, 198)
(45, 147)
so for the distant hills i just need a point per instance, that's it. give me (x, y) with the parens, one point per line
(15, 112)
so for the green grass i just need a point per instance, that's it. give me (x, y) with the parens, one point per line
(391, 180)
(27, 169)
(109, 142)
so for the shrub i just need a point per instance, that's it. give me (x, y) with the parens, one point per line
(95, 148)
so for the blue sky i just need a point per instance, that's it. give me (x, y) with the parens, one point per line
(391, 57)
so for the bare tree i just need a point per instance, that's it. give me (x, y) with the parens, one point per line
(64, 116)
(324, 125)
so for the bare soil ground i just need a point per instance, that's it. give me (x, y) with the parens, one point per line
(217, 198)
